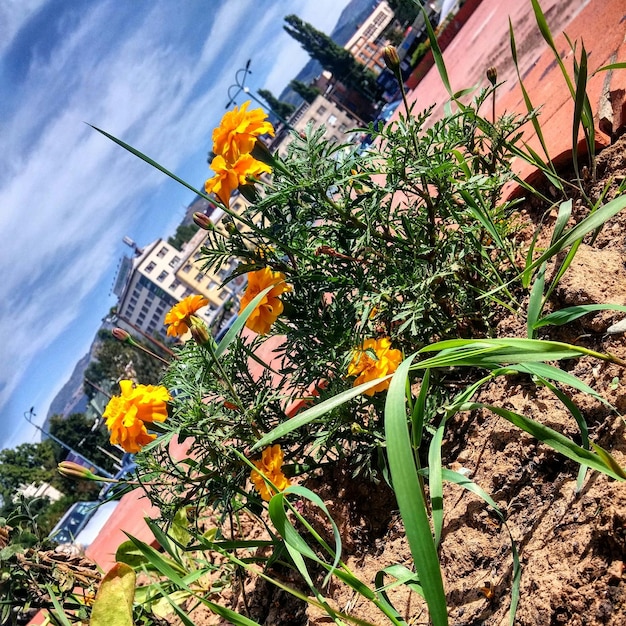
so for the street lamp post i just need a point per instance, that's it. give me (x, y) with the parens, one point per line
(28, 416)
(240, 85)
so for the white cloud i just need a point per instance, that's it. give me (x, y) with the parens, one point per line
(13, 15)
(68, 194)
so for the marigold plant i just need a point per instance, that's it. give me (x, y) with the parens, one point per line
(374, 359)
(126, 415)
(271, 306)
(178, 318)
(270, 465)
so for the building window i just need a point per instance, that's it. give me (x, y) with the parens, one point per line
(199, 277)
(141, 318)
(150, 267)
(162, 276)
(130, 309)
(187, 268)
(196, 256)
(150, 296)
(175, 261)
(343, 128)
(321, 110)
(162, 252)
(332, 120)
(145, 308)
(187, 292)
(133, 301)
(175, 284)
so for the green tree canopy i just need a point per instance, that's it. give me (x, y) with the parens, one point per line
(182, 235)
(77, 432)
(281, 109)
(115, 360)
(405, 11)
(306, 92)
(332, 56)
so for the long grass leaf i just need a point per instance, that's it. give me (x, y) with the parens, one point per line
(552, 438)
(569, 314)
(240, 322)
(535, 302)
(435, 481)
(406, 484)
(315, 412)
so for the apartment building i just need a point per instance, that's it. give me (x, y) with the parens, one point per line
(367, 44)
(158, 276)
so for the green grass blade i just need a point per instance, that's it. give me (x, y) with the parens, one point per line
(565, 212)
(310, 415)
(611, 66)
(58, 612)
(585, 226)
(173, 176)
(419, 411)
(437, 55)
(549, 372)
(535, 302)
(609, 459)
(435, 480)
(579, 102)
(527, 101)
(240, 322)
(410, 497)
(458, 479)
(553, 439)
(569, 314)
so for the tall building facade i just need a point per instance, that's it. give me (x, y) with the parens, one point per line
(159, 276)
(367, 43)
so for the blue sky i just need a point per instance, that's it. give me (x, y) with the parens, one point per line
(152, 72)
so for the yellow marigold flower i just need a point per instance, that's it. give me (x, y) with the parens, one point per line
(127, 414)
(178, 317)
(366, 367)
(229, 177)
(271, 466)
(238, 130)
(271, 306)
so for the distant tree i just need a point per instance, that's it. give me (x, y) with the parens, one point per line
(115, 360)
(76, 431)
(182, 235)
(278, 107)
(306, 92)
(26, 464)
(332, 56)
(405, 11)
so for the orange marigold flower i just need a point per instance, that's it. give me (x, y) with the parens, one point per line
(271, 306)
(367, 367)
(178, 317)
(127, 414)
(229, 177)
(238, 130)
(271, 466)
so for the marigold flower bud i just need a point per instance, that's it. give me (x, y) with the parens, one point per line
(391, 58)
(121, 335)
(203, 221)
(260, 152)
(69, 469)
(199, 331)
(250, 193)
(492, 75)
